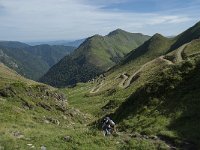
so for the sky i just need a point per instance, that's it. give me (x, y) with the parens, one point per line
(43, 20)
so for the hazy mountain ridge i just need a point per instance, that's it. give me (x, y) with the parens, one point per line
(101, 52)
(31, 61)
(75, 43)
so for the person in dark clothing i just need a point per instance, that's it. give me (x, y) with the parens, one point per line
(108, 126)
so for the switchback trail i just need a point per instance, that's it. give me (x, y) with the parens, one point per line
(180, 50)
(127, 81)
(166, 60)
(97, 88)
(124, 78)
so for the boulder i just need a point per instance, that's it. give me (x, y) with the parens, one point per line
(67, 138)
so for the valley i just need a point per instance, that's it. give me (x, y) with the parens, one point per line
(148, 85)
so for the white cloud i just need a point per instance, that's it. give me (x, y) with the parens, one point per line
(73, 19)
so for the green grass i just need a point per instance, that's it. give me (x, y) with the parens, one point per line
(192, 48)
(163, 102)
(160, 102)
(23, 121)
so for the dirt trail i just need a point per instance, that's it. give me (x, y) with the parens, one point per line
(135, 75)
(126, 82)
(97, 88)
(166, 60)
(125, 77)
(179, 57)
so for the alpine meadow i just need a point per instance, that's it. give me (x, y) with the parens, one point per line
(96, 75)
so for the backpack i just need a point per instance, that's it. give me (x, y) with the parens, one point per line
(112, 123)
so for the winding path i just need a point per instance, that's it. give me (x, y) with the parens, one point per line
(126, 81)
(179, 57)
(96, 89)
(125, 77)
(166, 60)
(135, 75)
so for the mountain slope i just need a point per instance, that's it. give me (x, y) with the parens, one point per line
(106, 51)
(161, 103)
(8, 75)
(159, 109)
(187, 36)
(50, 54)
(154, 47)
(23, 62)
(167, 106)
(34, 114)
(31, 61)
(97, 53)
(13, 44)
(71, 74)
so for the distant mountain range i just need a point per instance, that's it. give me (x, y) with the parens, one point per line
(31, 61)
(94, 56)
(75, 43)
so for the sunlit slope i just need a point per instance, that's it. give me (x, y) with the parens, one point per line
(94, 56)
(34, 114)
(162, 99)
(8, 75)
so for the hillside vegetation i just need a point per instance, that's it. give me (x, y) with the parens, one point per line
(96, 55)
(31, 61)
(152, 95)
(35, 115)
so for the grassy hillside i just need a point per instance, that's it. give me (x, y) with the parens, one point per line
(106, 51)
(8, 75)
(35, 115)
(153, 96)
(31, 61)
(161, 103)
(153, 93)
(166, 106)
(96, 53)
(154, 47)
(187, 36)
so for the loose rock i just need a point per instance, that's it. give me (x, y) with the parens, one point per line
(67, 138)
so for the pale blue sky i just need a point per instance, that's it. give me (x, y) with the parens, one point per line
(36, 20)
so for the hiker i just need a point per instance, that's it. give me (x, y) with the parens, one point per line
(108, 126)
